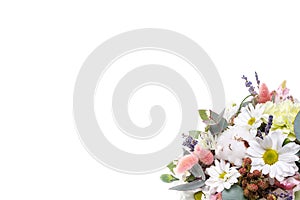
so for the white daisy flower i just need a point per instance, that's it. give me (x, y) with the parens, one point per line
(251, 117)
(221, 176)
(272, 158)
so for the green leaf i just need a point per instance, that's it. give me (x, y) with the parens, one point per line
(168, 178)
(235, 192)
(171, 166)
(297, 195)
(203, 114)
(197, 171)
(195, 134)
(198, 195)
(189, 186)
(297, 126)
(286, 141)
(190, 178)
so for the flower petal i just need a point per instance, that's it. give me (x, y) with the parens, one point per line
(291, 148)
(288, 158)
(277, 139)
(267, 142)
(266, 169)
(251, 151)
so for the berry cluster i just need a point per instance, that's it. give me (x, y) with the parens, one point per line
(254, 184)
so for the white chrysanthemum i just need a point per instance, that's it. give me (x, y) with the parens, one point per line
(221, 176)
(272, 158)
(231, 145)
(251, 117)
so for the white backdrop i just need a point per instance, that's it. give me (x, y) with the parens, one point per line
(43, 45)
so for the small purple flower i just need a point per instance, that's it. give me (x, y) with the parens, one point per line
(259, 134)
(249, 85)
(269, 125)
(257, 80)
(190, 142)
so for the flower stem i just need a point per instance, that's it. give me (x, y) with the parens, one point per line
(240, 107)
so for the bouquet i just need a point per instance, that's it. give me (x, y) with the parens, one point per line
(249, 151)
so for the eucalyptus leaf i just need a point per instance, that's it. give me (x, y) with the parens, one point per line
(189, 186)
(218, 128)
(297, 126)
(197, 171)
(214, 121)
(185, 152)
(235, 192)
(215, 116)
(219, 124)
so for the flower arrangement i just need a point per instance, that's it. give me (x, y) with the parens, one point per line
(249, 151)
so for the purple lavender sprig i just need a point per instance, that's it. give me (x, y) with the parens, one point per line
(268, 126)
(249, 85)
(189, 142)
(259, 134)
(257, 80)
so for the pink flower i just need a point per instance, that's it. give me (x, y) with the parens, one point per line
(186, 163)
(217, 196)
(204, 155)
(291, 182)
(281, 93)
(264, 94)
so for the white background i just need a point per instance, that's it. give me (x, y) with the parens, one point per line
(43, 45)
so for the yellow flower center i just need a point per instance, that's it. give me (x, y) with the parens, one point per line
(222, 175)
(270, 156)
(251, 121)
